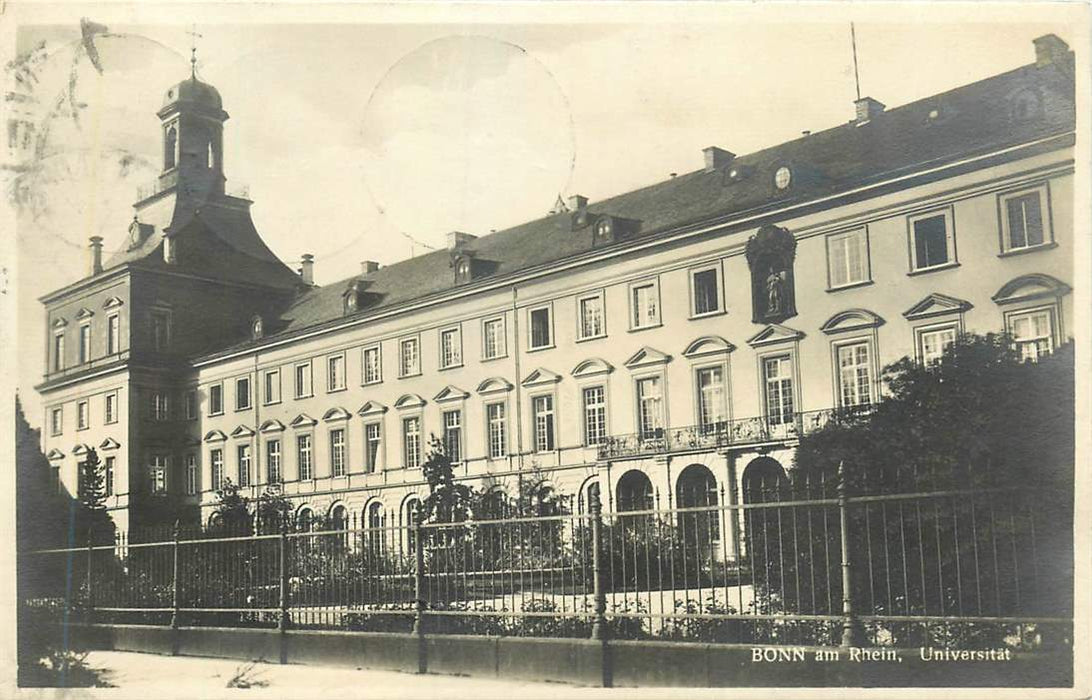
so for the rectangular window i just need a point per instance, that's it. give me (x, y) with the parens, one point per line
(191, 474)
(161, 330)
(242, 393)
(645, 302)
(411, 442)
(113, 334)
(495, 421)
(706, 286)
(712, 411)
(191, 404)
(854, 374)
(932, 243)
(273, 461)
(493, 339)
(777, 376)
(847, 258)
(650, 411)
(595, 415)
(85, 343)
(82, 411)
(592, 318)
(337, 452)
(303, 457)
(58, 352)
(335, 373)
(271, 386)
(1033, 333)
(542, 335)
(372, 443)
(157, 474)
(303, 380)
(244, 465)
(1022, 224)
(373, 368)
(542, 408)
(451, 348)
(109, 475)
(216, 462)
(409, 357)
(453, 435)
(932, 342)
(160, 406)
(56, 421)
(216, 399)
(110, 408)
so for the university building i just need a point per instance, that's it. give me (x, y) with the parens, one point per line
(664, 347)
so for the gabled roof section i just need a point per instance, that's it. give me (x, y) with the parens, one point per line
(646, 357)
(541, 377)
(936, 304)
(303, 421)
(109, 444)
(409, 401)
(494, 385)
(851, 320)
(1031, 287)
(592, 367)
(54, 455)
(271, 426)
(215, 436)
(372, 408)
(242, 431)
(335, 414)
(450, 393)
(708, 345)
(774, 333)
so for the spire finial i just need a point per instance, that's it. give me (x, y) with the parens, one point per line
(193, 50)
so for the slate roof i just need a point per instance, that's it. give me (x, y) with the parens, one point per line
(975, 118)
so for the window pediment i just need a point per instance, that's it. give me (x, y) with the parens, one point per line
(592, 367)
(271, 426)
(450, 393)
(494, 385)
(109, 444)
(54, 455)
(80, 448)
(541, 377)
(59, 323)
(335, 414)
(215, 436)
(242, 431)
(1030, 288)
(708, 345)
(303, 421)
(851, 320)
(936, 305)
(84, 313)
(409, 401)
(774, 333)
(112, 302)
(372, 408)
(646, 357)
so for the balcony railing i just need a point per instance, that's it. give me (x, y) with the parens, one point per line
(742, 431)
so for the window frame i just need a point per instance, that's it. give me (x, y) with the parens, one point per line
(267, 398)
(372, 465)
(269, 455)
(548, 307)
(190, 406)
(403, 371)
(249, 393)
(503, 422)
(244, 448)
(726, 404)
(948, 213)
(457, 331)
(867, 260)
(1053, 316)
(83, 336)
(460, 431)
(920, 331)
(331, 385)
(402, 421)
(212, 409)
(632, 288)
(113, 333)
(502, 321)
(108, 474)
(56, 420)
(216, 461)
(192, 477)
(789, 353)
(309, 436)
(692, 273)
(161, 406)
(339, 452)
(661, 377)
(533, 414)
(1004, 225)
(109, 418)
(165, 314)
(604, 405)
(58, 350)
(378, 348)
(155, 470)
(303, 392)
(601, 295)
(836, 347)
(83, 414)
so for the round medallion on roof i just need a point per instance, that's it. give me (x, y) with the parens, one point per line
(782, 177)
(195, 92)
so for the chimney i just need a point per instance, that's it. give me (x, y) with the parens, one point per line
(716, 157)
(868, 109)
(577, 202)
(1049, 49)
(96, 254)
(367, 267)
(307, 269)
(456, 239)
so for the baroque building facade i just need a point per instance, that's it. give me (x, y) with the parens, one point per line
(662, 348)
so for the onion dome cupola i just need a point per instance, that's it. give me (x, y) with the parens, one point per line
(192, 120)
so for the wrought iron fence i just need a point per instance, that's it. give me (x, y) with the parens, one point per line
(791, 564)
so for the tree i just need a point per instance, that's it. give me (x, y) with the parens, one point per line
(448, 501)
(232, 513)
(274, 511)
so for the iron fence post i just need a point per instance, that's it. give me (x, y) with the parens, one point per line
(599, 622)
(850, 636)
(175, 585)
(282, 563)
(419, 593)
(90, 557)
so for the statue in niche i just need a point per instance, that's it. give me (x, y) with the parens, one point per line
(770, 256)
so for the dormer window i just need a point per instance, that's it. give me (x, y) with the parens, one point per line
(604, 230)
(783, 177)
(462, 270)
(170, 144)
(256, 328)
(466, 267)
(355, 297)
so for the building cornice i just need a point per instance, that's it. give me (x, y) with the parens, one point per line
(896, 180)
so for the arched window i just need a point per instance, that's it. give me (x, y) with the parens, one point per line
(170, 146)
(376, 520)
(634, 492)
(339, 520)
(763, 480)
(410, 510)
(305, 519)
(590, 494)
(697, 488)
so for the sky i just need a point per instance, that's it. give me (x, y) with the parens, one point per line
(371, 140)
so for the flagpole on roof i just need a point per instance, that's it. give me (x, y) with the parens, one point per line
(856, 74)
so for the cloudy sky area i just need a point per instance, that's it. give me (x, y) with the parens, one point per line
(372, 141)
